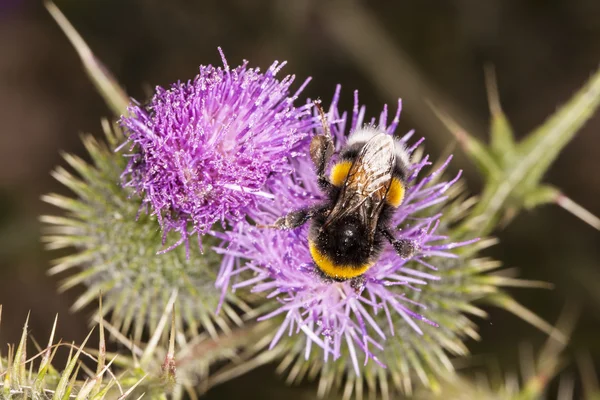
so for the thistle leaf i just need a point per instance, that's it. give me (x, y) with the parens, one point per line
(18, 367)
(474, 148)
(21, 382)
(63, 386)
(541, 147)
(514, 171)
(547, 194)
(543, 194)
(46, 360)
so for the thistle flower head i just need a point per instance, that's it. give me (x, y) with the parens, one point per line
(336, 316)
(115, 253)
(203, 150)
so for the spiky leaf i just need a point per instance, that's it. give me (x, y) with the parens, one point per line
(514, 170)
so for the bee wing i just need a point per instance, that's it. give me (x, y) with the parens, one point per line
(367, 183)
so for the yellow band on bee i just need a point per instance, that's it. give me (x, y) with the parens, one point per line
(332, 270)
(339, 173)
(395, 194)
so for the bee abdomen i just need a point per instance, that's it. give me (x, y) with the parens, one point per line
(332, 268)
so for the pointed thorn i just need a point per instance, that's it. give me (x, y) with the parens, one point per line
(589, 377)
(578, 211)
(498, 280)
(135, 350)
(51, 340)
(491, 84)
(106, 85)
(131, 389)
(455, 129)
(530, 317)
(567, 320)
(171, 353)
(153, 342)
(101, 347)
(169, 365)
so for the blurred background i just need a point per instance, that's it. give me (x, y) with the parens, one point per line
(543, 51)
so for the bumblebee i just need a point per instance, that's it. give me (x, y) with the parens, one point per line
(365, 186)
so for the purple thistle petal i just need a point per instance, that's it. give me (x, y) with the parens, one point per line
(206, 150)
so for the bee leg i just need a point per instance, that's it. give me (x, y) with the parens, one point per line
(292, 220)
(404, 247)
(321, 148)
(324, 278)
(358, 284)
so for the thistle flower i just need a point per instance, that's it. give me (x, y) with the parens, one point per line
(115, 254)
(94, 223)
(204, 150)
(336, 315)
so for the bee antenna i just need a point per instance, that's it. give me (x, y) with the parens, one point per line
(323, 117)
(262, 226)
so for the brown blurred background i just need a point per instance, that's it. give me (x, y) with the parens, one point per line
(542, 50)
